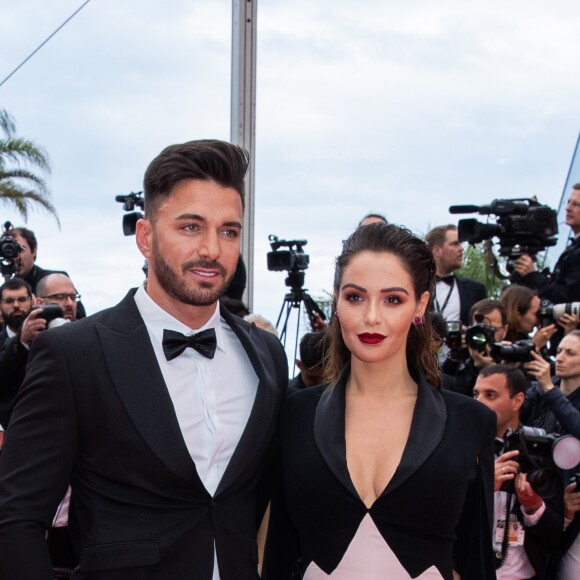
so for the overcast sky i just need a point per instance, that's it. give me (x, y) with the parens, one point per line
(378, 105)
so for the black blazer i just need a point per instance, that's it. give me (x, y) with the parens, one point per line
(470, 292)
(94, 411)
(436, 510)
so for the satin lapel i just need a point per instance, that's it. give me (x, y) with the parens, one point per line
(427, 427)
(266, 404)
(142, 389)
(329, 430)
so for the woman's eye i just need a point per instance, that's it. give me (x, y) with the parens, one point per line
(353, 297)
(393, 300)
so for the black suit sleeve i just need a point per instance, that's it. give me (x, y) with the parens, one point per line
(36, 462)
(473, 550)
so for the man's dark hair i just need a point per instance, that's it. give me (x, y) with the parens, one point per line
(576, 186)
(515, 379)
(210, 160)
(15, 284)
(487, 306)
(378, 216)
(29, 236)
(436, 236)
(313, 349)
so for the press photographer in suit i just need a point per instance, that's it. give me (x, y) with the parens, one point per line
(563, 284)
(159, 412)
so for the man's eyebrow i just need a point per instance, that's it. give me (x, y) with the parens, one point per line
(191, 216)
(199, 218)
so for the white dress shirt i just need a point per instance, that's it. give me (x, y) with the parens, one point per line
(448, 307)
(212, 398)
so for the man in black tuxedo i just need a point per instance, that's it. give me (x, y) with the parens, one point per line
(167, 448)
(454, 295)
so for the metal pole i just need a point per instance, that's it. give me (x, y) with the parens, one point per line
(243, 117)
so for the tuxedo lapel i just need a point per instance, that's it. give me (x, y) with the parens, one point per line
(427, 427)
(259, 427)
(141, 387)
(329, 430)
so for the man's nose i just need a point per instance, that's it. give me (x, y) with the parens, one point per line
(209, 247)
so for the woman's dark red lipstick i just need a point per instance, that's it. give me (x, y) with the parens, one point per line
(371, 338)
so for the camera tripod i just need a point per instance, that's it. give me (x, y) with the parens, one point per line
(295, 299)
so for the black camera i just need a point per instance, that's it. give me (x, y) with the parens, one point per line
(523, 226)
(479, 335)
(519, 351)
(129, 202)
(49, 311)
(541, 456)
(293, 258)
(549, 312)
(453, 334)
(9, 251)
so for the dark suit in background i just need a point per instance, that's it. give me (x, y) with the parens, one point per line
(470, 292)
(94, 411)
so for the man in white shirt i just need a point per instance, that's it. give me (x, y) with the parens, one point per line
(534, 525)
(454, 295)
(161, 412)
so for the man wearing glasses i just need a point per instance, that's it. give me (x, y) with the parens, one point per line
(24, 324)
(28, 270)
(58, 289)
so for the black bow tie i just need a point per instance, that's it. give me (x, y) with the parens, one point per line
(449, 280)
(174, 343)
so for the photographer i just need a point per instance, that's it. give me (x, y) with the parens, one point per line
(522, 306)
(556, 407)
(27, 268)
(535, 524)
(489, 324)
(15, 306)
(566, 558)
(53, 289)
(563, 285)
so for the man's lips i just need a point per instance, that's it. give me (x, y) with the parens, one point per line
(205, 273)
(371, 338)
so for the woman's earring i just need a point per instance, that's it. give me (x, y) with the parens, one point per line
(419, 320)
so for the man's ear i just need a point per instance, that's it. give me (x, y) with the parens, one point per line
(298, 363)
(143, 236)
(518, 401)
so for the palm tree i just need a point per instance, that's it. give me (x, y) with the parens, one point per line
(18, 185)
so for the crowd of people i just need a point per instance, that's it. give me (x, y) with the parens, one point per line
(162, 438)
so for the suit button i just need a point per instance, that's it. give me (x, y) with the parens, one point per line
(215, 506)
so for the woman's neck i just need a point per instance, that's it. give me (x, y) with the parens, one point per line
(389, 378)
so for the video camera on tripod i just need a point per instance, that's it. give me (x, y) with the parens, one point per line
(523, 226)
(294, 261)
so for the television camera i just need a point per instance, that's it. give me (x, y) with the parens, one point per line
(294, 261)
(9, 251)
(523, 226)
(129, 202)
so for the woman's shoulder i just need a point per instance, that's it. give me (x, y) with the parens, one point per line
(468, 410)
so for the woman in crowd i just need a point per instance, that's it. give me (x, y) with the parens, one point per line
(522, 306)
(383, 474)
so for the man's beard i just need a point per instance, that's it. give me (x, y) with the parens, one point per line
(13, 321)
(201, 295)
